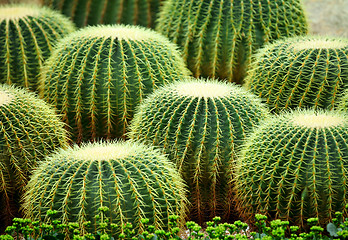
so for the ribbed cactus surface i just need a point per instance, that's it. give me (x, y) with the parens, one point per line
(294, 166)
(27, 36)
(97, 76)
(300, 73)
(29, 131)
(218, 37)
(94, 12)
(133, 180)
(199, 123)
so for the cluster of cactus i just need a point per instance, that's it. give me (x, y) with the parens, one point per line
(94, 12)
(199, 123)
(98, 75)
(218, 37)
(29, 131)
(300, 72)
(133, 180)
(27, 37)
(294, 166)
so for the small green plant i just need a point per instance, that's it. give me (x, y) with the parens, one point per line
(28, 35)
(98, 75)
(29, 130)
(108, 11)
(293, 167)
(132, 180)
(199, 123)
(275, 230)
(217, 38)
(300, 73)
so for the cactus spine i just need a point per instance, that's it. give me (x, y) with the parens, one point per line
(97, 76)
(29, 131)
(94, 12)
(300, 72)
(343, 101)
(133, 180)
(199, 123)
(218, 37)
(294, 167)
(27, 37)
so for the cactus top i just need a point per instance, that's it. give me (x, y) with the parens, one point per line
(17, 11)
(119, 31)
(203, 89)
(5, 98)
(319, 43)
(104, 151)
(312, 120)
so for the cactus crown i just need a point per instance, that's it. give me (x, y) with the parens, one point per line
(103, 151)
(202, 89)
(319, 43)
(5, 98)
(17, 11)
(317, 120)
(119, 31)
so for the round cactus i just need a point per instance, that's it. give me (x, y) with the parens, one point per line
(29, 131)
(108, 11)
(97, 76)
(300, 72)
(218, 37)
(27, 36)
(133, 180)
(294, 167)
(199, 123)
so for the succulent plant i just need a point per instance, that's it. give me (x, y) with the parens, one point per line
(294, 167)
(218, 37)
(199, 123)
(133, 180)
(97, 76)
(94, 12)
(300, 72)
(29, 131)
(28, 34)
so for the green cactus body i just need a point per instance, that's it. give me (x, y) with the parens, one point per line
(27, 37)
(94, 12)
(133, 180)
(218, 37)
(97, 76)
(300, 73)
(198, 124)
(29, 131)
(294, 167)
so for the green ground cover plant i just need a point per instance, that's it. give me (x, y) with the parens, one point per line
(214, 230)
